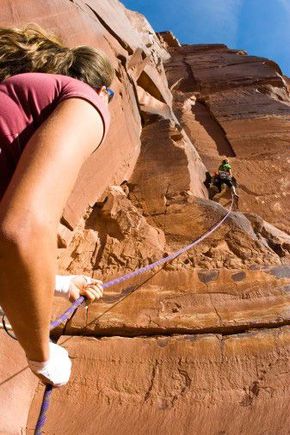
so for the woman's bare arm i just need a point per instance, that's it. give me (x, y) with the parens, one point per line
(29, 215)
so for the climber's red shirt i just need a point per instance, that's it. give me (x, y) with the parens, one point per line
(26, 100)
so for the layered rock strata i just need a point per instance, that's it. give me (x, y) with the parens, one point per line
(175, 385)
(235, 105)
(182, 349)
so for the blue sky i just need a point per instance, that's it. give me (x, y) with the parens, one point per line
(261, 27)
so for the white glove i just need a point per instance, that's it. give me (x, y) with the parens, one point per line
(62, 285)
(72, 287)
(56, 370)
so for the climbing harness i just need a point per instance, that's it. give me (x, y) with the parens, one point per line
(223, 175)
(7, 328)
(69, 312)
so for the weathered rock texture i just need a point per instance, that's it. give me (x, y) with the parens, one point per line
(201, 346)
(235, 105)
(175, 385)
(17, 387)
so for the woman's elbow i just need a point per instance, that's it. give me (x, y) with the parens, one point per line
(20, 237)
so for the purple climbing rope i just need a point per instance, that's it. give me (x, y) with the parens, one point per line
(43, 410)
(69, 312)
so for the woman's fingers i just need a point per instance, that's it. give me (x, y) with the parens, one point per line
(91, 295)
(96, 281)
(93, 291)
(83, 285)
(95, 285)
(97, 292)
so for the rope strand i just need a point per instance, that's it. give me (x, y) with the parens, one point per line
(69, 312)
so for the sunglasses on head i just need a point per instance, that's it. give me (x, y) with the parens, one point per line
(108, 91)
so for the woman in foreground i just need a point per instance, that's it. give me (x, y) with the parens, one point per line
(53, 115)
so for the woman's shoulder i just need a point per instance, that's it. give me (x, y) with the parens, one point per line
(31, 79)
(50, 88)
(43, 89)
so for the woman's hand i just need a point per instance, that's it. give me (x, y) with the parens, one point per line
(90, 288)
(72, 287)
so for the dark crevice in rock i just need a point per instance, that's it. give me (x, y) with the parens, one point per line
(198, 48)
(64, 222)
(146, 83)
(109, 29)
(189, 84)
(250, 394)
(105, 226)
(159, 332)
(153, 376)
(213, 128)
(277, 248)
(240, 84)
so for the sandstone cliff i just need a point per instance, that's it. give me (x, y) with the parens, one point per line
(201, 346)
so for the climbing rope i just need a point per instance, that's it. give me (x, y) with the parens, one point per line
(43, 410)
(69, 312)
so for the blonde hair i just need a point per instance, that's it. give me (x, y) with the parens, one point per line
(33, 50)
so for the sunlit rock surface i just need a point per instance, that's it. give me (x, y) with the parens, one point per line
(238, 106)
(209, 384)
(200, 345)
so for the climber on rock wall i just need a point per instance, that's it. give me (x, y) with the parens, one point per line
(53, 115)
(225, 176)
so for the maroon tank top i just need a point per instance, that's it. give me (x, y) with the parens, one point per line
(26, 100)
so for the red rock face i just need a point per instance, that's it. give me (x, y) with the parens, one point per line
(238, 106)
(185, 348)
(17, 386)
(180, 384)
